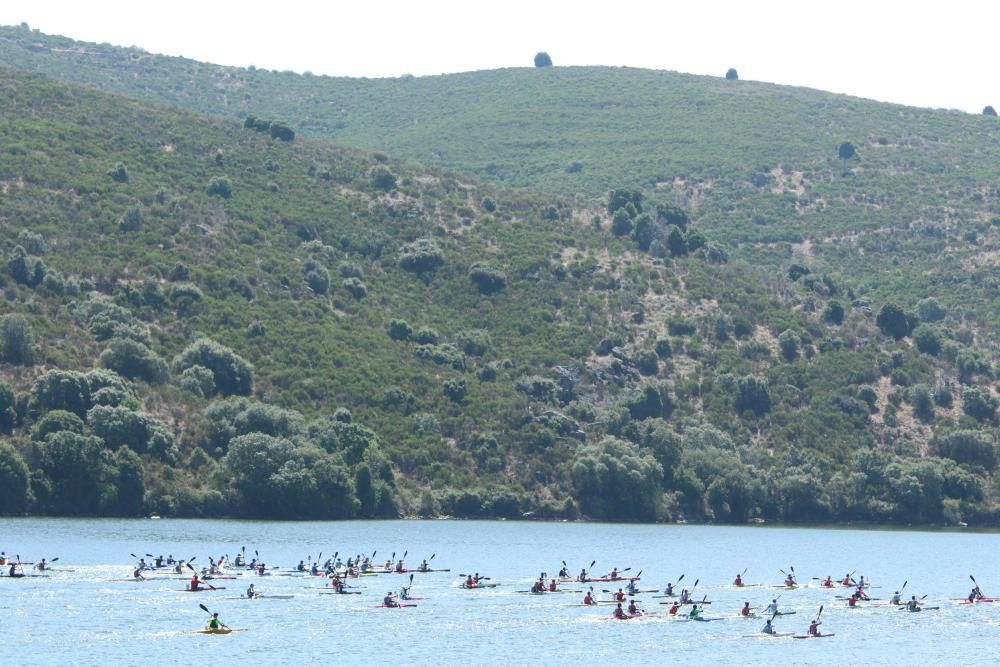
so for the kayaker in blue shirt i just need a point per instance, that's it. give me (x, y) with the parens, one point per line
(669, 590)
(631, 588)
(976, 594)
(768, 628)
(389, 600)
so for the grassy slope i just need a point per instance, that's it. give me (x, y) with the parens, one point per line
(892, 225)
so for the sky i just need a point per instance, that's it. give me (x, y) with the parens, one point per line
(927, 54)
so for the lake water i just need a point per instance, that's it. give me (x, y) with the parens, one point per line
(93, 615)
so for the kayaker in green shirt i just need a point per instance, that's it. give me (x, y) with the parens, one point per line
(215, 624)
(695, 612)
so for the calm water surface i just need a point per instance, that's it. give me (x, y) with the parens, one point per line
(94, 615)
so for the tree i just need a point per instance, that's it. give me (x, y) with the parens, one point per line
(621, 222)
(979, 404)
(233, 374)
(788, 343)
(893, 321)
(601, 471)
(846, 150)
(989, 111)
(487, 277)
(282, 131)
(382, 178)
(24, 268)
(83, 474)
(732, 75)
(130, 483)
(621, 198)
(834, 312)
(966, 446)
(542, 59)
(927, 340)
(219, 186)
(17, 342)
(676, 243)
(752, 394)
(421, 256)
(134, 360)
(13, 481)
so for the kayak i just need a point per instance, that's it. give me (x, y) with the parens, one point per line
(218, 631)
(415, 570)
(200, 590)
(700, 619)
(413, 598)
(919, 609)
(393, 606)
(966, 600)
(588, 580)
(261, 596)
(831, 634)
(480, 586)
(769, 635)
(340, 592)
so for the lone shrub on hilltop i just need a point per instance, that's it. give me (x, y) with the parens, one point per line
(542, 59)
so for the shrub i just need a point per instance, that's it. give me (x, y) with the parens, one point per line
(134, 360)
(351, 270)
(355, 287)
(316, 277)
(989, 111)
(421, 256)
(233, 375)
(131, 219)
(488, 278)
(732, 75)
(399, 330)
(834, 312)
(33, 243)
(788, 343)
(426, 336)
(219, 186)
(198, 380)
(281, 131)
(55, 421)
(17, 341)
(14, 477)
(473, 342)
(979, 404)
(964, 446)
(382, 178)
(455, 389)
(118, 173)
(845, 151)
(488, 204)
(542, 59)
(256, 329)
(927, 340)
(893, 321)
(24, 268)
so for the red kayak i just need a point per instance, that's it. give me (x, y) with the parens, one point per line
(393, 606)
(200, 590)
(966, 600)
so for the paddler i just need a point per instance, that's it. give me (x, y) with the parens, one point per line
(669, 590)
(251, 593)
(614, 574)
(563, 573)
(768, 628)
(738, 581)
(789, 580)
(301, 567)
(975, 594)
(896, 598)
(552, 585)
(685, 596)
(695, 612)
(583, 575)
(588, 599)
(215, 624)
(41, 565)
(772, 608)
(195, 583)
(13, 570)
(853, 600)
(619, 612)
(404, 592)
(861, 595)
(814, 628)
(424, 567)
(389, 600)
(471, 582)
(631, 588)
(745, 611)
(673, 608)
(388, 565)
(142, 564)
(399, 566)
(261, 568)
(315, 571)
(862, 583)
(620, 595)
(828, 582)
(159, 561)
(633, 610)
(913, 604)
(847, 581)
(3, 557)
(137, 574)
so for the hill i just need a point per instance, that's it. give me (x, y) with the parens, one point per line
(707, 348)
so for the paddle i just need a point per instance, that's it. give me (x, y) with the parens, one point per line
(211, 614)
(901, 588)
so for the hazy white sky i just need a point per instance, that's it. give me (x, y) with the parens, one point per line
(923, 53)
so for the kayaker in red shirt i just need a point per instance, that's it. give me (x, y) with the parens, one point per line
(588, 599)
(746, 609)
(633, 610)
(738, 581)
(620, 595)
(846, 581)
(828, 583)
(552, 586)
(853, 600)
(195, 584)
(619, 612)
(814, 628)
(673, 608)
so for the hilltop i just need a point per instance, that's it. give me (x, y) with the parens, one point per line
(764, 330)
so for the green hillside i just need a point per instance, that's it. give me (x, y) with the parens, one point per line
(748, 327)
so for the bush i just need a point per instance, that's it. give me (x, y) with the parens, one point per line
(17, 341)
(134, 360)
(834, 312)
(927, 340)
(219, 186)
(399, 330)
(893, 321)
(356, 288)
(542, 59)
(963, 446)
(13, 481)
(845, 151)
(24, 268)
(426, 336)
(788, 343)
(488, 204)
(33, 243)
(488, 278)
(989, 111)
(281, 131)
(198, 380)
(732, 75)
(233, 375)
(316, 277)
(979, 404)
(131, 219)
(118, 173)
(382, 178)
(455, 389)
(421, 256)
(600, 471)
